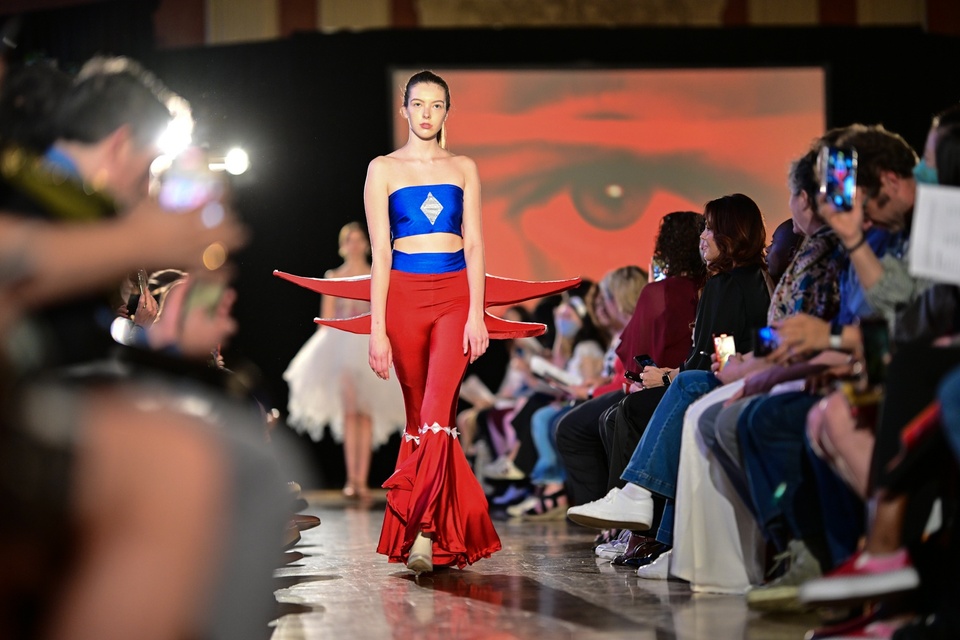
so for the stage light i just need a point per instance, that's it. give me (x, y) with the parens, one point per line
(177, 136)
(236, 161)
(160, 164)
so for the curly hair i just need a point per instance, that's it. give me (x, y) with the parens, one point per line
(878, 150)
(677, 248)
(738, 230)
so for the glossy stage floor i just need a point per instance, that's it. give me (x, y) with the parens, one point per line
(545, 583)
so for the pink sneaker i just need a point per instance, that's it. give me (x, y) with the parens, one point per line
(881, 630)
(862, 577)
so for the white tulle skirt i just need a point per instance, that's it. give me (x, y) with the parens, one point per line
(330, 366)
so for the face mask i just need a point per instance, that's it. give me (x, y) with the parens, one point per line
(566, 327)
(924, 173)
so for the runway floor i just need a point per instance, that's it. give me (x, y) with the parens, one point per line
(545, 583)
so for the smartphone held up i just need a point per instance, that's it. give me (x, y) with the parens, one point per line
(189, 182)
(724, 346)
(838, 176)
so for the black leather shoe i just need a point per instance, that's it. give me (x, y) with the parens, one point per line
(641, 551)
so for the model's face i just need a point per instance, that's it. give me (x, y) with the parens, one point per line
(708, 246)
(354, 245)
(426, 109)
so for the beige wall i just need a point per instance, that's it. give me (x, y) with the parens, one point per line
(784, 12)
(335, 15)
(241, 20)
(248, 20)
(890, 12)
(550, 13)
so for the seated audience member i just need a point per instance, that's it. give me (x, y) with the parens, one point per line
(617, 297)
(658, 327)
(579, 341)
(104, 498)
(131, 327)
(903, 475)
(784, 244)
(509, 436)
(809, 285)
(814, 518)
(515, 384)
(735, 300)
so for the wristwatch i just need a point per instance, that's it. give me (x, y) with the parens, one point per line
(836, 337)
(666, 379)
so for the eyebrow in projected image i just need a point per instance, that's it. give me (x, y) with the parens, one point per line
(578, 166)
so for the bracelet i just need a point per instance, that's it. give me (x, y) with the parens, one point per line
(863, 241)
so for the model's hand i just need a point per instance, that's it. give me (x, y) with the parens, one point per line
(475, 338)
(380, 355)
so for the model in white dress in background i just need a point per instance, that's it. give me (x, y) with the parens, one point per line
(331, 383)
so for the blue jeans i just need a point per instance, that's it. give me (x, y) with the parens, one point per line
(771, 431)
(543, 427)
(655, 463)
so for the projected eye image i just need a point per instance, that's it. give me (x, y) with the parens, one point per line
(578, 166)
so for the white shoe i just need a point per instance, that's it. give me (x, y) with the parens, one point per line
(614, 548)
(659, 569)
(614, 511)
(503, 469)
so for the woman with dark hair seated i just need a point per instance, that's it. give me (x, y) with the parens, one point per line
(735, 300)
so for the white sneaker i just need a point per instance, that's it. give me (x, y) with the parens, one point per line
(503, 469)
(659, 569)
(614, 511)
(614, 548)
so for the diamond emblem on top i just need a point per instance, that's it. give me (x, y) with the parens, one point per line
(431, 208)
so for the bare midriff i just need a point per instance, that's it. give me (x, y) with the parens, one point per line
(429, 243)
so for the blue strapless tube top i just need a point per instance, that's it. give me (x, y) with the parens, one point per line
(427, 208)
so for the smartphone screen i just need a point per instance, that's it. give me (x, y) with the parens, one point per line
(724, 346)
(644, 361)
(657, 271)
(765, 341)
(182, 191)
(838, 176)
(142, 281)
